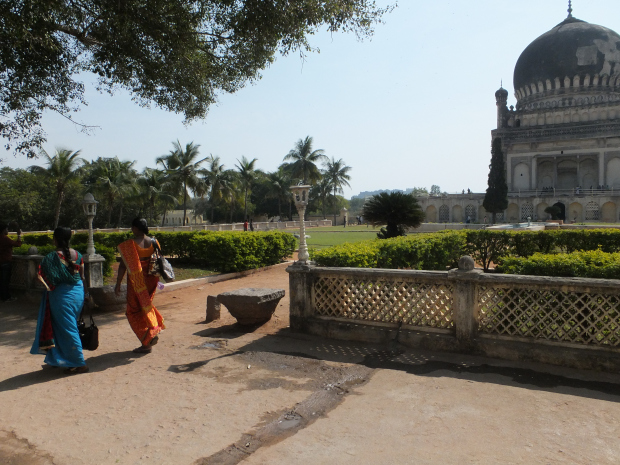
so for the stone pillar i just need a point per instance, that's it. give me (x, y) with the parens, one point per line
(601, 169)
(464, 305)
(534, 180)
(300, 294)
(555, 173)
(93, 270)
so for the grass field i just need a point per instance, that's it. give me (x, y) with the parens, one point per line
(321, 238)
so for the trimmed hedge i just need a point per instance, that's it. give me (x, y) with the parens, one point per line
(434, 251)
(223, 251)
(228, 251)
(106, 252)
(583, 264)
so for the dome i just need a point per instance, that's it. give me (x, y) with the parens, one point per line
(572, 48)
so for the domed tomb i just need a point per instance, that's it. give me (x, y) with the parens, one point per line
(574, 54)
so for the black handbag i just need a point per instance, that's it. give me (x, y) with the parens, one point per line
(89, 335)
(159, 265)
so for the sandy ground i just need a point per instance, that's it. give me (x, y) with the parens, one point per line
(219, 393)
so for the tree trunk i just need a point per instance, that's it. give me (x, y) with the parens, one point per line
(245, 205)
(184, 201)
(493, 217)
(335, 207)
(163, 218)
(61, 196)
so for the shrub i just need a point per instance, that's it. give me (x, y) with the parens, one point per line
(106, 252)
(584, 264)
(421, 251)
(487, 246)
(228, 251)
(361, 254)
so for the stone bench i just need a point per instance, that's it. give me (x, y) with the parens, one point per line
(250, 306)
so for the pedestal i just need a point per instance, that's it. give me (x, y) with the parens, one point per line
(93, 270)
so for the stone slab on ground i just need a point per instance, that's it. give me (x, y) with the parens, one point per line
(251, 305)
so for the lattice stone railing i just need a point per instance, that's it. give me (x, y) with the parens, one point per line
(585, 317)
(566, 321)
(24, 272)
(384, 298)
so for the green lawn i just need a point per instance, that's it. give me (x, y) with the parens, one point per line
(327, 237)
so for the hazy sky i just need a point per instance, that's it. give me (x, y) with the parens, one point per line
(412, 107)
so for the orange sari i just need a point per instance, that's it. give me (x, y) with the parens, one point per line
(143, 317)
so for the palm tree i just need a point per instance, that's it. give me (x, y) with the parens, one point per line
(304, 160)
(61, 169)
(218, 181)
(183, 168)
(153, 187)
(396, 209)
(113, 180)
(247, 176)
(337, 172)
(321, 190)
(279, 187)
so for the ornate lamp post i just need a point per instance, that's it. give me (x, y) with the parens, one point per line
(300, 195)
(89, 204)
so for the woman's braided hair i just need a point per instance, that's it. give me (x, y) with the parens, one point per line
(63, 237)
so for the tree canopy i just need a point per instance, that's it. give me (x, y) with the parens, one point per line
(176, 54)
(396, 210)
(496, 197)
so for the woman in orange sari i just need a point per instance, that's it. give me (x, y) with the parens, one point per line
(143, 317)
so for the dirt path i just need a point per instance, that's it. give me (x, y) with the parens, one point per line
(220, 394)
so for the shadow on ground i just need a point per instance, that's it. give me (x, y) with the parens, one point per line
(48, 373)
(422, 363)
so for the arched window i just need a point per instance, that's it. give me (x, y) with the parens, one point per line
(592, 211)
(527, 210)
(444, 214)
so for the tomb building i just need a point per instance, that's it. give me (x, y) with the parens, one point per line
(561, 142)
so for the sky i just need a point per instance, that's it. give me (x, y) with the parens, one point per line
(412, 107)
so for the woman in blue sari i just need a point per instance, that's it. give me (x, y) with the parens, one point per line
(57, 336)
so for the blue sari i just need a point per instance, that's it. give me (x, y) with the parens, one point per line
(61, 304)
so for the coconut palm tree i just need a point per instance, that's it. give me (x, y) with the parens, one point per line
(304, 161)
(321, 191)
(247, 175)
(154, 190)
(218, 182)
(183, 167)
(113, 180)
(279, 187)
(396, 209)
(61, 169)
(337, 173)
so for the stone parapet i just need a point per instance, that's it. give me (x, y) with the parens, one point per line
(565, 321)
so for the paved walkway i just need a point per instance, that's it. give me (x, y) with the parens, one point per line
(218, 394)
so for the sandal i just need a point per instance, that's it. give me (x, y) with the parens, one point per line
(76, 370)
(143, 350)
(154, 341)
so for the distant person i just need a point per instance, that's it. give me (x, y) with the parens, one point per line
(485, 220)
(144, 319)
(251, 225)
(468, 220)
(6, 261)
(57, 335)
(245, 225)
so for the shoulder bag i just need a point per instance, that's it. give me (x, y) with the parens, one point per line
(159, 265)
(89, 335)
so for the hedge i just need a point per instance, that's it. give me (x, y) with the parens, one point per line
(434, 251)
(106, 252)
(223, 251)
(228, 251)
(583, 264)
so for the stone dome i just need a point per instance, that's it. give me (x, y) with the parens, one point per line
(573, 48)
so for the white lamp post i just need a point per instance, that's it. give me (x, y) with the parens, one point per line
(89, 204)
(300, 195)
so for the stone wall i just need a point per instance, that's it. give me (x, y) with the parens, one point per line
(565, 321)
